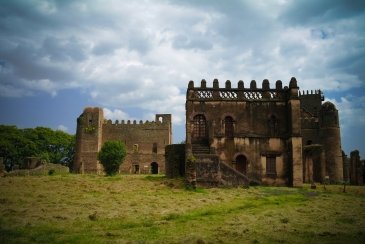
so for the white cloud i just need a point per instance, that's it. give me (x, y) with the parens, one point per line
(116, 114)
(62, 128)
(351, 111)
(142, 55)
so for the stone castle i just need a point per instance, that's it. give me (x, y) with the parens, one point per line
(234, 136)
(145, 142)
(275, 136)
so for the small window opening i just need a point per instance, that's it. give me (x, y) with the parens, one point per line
(135, 148)
(271, 166)
(154, 147)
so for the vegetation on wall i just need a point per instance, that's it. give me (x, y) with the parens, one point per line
(45, 143)
(111, 156)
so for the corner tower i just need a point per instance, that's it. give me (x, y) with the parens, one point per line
(331, 140)
(88, 141)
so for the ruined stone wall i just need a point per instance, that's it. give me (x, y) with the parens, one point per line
(320, 126)
(145, 142)
(88, 141)
(175, 160)
(356, 169)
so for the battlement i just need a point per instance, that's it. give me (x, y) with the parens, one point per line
(240, 93)
(311, 93)
(160, 120)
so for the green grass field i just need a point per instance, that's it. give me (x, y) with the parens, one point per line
(137, 208)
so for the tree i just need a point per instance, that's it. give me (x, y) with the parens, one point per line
(111, 156)
(17, 144)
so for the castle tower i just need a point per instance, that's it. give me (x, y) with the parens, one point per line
(331, 140)
(166, 118)
(88, 141)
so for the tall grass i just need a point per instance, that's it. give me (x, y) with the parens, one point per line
(136, 208)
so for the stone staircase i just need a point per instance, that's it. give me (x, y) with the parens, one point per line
(211, 172)
(200, 149)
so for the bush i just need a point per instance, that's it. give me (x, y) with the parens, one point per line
(111, 156)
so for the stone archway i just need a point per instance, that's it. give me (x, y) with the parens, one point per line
(241, 164)
(154, 168)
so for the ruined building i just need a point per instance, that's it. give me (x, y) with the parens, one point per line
(234, 136)
(145, 142)
(274, 136)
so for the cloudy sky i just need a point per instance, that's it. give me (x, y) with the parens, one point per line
(135, 58)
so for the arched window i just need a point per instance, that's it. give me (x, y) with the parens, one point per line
(200, 128)
(228, 127)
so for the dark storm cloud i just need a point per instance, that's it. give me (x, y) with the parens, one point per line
(63, 50)
(313, 11)
(117, 48)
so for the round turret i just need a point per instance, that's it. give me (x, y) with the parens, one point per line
(331, 139)
(328, 106)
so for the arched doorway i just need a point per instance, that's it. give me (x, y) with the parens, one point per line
(154, 168)
(199, 128)
(241, 164)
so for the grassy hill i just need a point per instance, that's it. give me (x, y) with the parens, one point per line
(138, 208)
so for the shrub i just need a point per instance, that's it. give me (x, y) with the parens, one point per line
(111, 156)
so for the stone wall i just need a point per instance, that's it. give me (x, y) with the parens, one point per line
(356, 169)
(145, 142)
(175, 160)
(247, 128)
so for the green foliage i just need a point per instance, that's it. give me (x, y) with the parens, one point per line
(52, 146)
(111, 156)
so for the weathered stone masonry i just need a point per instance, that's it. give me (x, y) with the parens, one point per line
(145, 142)
(260, 132)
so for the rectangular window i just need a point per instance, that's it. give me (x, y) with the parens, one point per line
(271, 166)
(154, 147)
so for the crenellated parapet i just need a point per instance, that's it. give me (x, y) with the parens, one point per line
(228, 93)
(310, 93)
(161, 120)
